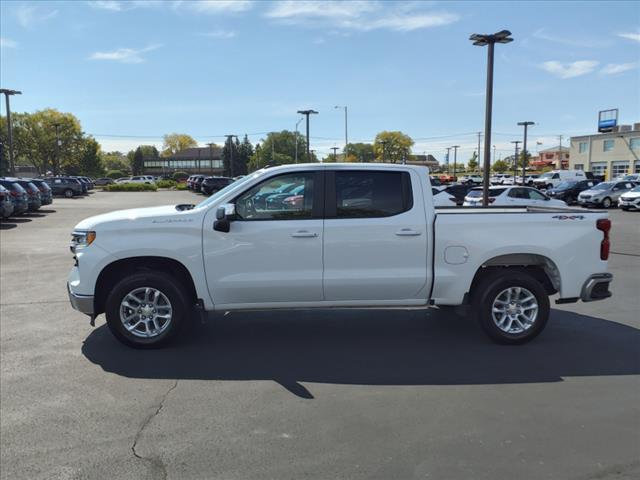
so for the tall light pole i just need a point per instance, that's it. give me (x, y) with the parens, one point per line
(490, 41)
(211, 155)
(478, 158)
(455, 158)
(346, 132)
(448, 171)
(230, 140)
(524, 149)
(56, 164)
(7, 93)
(297, 123)
(306, 113)
(515, 160)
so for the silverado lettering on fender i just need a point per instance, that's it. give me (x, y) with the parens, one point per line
(330, 236)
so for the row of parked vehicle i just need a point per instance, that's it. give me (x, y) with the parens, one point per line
(208, 185)
(22, 195)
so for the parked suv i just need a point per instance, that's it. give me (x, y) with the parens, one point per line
(46, 194)
(630, 200)
(104, 181)
(554, 178)
(33, 194)
(569, 190)
(66, 186)
(18, 194)
(6, 205)
(604, 194)
(211, 185)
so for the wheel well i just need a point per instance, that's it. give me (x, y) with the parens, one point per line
(538, 266)
(119, 269)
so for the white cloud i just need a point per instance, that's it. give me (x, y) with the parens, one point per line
(358, 15)
(111, 5)
(222, 34)
(541, 34)
(7, 43)
(630, 36)
(124, 55)
(30, 15)
(214, 6)
(615, 68)
(570, 70)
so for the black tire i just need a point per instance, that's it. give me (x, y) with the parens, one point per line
(549, 186)
(168, 286)
(606, 202)
(488, 290)
(68, 193)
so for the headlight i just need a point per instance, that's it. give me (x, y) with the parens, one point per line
(81, 239)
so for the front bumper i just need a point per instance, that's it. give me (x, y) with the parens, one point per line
(635, 204)
(82, 303)
(596, 287)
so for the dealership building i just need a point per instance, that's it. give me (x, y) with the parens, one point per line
(611, 153)
(205, 160)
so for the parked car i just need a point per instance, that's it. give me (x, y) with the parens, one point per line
(197, 183)
(6, 205)
(548, 180)
(632, 177)
(446, 178)
(605, 194)
(497, 179)
(512, 196)
(471, 179)
(441, 198)
(46, 194)
(123, 180)
(569, 190)
(212, 185)
(275, 201)
(529, 179)
(149, 268)
(142, 179)
(33, 193)
(459, 191)
(435, 181)
(19, 196)
(193, 180)
(260, 198)
(87, 181)
(104, 181)
(66, 186)
(508, 180)
(630, 200)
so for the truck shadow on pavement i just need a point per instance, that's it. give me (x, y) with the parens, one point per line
(367, 347)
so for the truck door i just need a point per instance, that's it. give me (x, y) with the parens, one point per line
(375, 236)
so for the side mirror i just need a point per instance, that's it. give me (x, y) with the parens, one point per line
(224, 215)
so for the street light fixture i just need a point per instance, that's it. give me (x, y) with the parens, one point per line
(296, 147)
(455, 158)
(7, 93)
(481, 40)
(306, 113)
(515, 161)
(524, 149)
(346, 136)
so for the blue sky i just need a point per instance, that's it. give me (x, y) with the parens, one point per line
(132, 71)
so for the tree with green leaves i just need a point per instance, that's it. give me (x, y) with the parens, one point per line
(500, 166)
(229, 151)
(114, 161)
(279, 148)
(392, 146)
(362, 152)
(137, 165)
(472, 164)
(176, 142)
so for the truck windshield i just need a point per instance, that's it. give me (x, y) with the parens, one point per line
(228, 188)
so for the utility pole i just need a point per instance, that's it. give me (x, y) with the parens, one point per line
(455, 158)
(335, 156)
(7, 93)
(297, 123)
(448, 148)
(524, 149)
(494, 154)
(306, 113)
(346, 134)
(515, 160)
(56, 164)
(230, 140)
(478, 157)
(560, 150)
(211, 155)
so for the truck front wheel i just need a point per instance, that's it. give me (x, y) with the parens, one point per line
(146, 310)
(511, 306)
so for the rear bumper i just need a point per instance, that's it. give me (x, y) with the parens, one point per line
(596, 287)
(82, 303)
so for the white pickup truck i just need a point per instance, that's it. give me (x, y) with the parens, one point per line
(345, 235)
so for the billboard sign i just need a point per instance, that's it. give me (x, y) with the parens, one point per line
(607, 120)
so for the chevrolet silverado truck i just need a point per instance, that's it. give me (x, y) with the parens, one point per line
(352, 235)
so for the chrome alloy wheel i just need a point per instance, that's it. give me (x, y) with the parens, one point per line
(145, 312)
(515, 310)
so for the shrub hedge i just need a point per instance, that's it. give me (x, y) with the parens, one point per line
(179, 176)
(166, 183)
(131, 187)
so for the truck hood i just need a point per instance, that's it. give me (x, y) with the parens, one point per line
(165, 212)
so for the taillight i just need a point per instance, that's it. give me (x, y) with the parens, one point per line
(604, 225)
(15, 193)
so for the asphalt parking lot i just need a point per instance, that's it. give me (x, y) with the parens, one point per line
(319, 395)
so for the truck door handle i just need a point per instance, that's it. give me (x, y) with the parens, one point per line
(407, 232)
(304, 234)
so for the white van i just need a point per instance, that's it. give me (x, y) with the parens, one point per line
(554, 178)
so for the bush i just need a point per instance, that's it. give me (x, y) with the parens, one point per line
(181, 186)
(115, 174)
(166, 183)
(180, 176)
(131, 187)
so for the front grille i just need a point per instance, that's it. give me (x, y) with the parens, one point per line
(585, 197)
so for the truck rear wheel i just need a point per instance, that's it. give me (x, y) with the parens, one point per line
(512, 307)
(146, 310)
